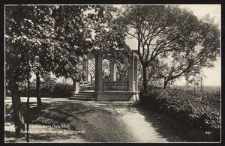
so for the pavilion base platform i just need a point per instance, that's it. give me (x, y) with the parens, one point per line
(83, 95)
(117, 96)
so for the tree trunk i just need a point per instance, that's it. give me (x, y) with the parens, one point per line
(74, 84)
(28, 100)
(165, 84)
(17, 109)
(38, 89)
(144, 77)
(74, 87)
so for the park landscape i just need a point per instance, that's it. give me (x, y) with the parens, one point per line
(111, 92)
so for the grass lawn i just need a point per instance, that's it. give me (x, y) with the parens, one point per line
(87, 122)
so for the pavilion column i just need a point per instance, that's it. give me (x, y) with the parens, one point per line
(136, 73)
(76, 86)
(112, 71)
(131, 73)
(98, 72)
(85, 68)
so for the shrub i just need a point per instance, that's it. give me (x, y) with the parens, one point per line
(195, 112)
(62, 90)
(47, 90)
(24, 92)
(56, 90)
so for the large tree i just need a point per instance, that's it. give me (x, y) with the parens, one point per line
(17, 59)
(32, 46)
(30, 29)
(164, 30)
(194, 55)
(28, 49)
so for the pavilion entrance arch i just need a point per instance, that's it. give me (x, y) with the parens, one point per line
(113, 90)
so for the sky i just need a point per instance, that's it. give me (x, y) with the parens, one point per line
(212, 75)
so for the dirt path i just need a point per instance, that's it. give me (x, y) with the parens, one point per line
(107, 122)
(122, 123)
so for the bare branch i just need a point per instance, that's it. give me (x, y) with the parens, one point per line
(131, 35)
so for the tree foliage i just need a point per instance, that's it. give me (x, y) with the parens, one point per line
(107, 35)
(169, 38)
(72, 39)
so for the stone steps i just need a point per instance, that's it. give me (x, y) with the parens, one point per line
(83, 96)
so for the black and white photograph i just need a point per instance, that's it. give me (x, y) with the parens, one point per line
(112, 73)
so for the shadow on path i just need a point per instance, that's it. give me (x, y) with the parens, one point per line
(162, 125)
(150, 122)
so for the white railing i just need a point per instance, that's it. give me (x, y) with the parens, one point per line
(87, 85)
(115, 85)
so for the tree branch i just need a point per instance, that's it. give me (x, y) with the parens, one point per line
(131, 35)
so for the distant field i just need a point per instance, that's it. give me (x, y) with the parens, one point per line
(209, 89)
